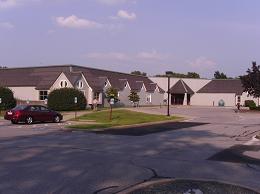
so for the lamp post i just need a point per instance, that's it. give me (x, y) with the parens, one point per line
(168, 73)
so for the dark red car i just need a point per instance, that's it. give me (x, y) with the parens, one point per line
(32, 113)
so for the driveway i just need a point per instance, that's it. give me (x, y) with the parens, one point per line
(78, 162)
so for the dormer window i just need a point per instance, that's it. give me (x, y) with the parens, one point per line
(105, 84)
(80, 84)
(125, 85)
(63, 83)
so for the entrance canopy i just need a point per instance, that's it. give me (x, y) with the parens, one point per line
(181, 88)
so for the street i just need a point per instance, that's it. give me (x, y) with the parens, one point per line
(43, 159)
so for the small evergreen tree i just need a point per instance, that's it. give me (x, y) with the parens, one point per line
(134, 97)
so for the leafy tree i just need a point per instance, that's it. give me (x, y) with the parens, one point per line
(218, 75)
(138, 73)
(7, 99)
(180, 75)
(251, 81)
(134, 97)
(111, 93)
(64, 99)
(193, 75)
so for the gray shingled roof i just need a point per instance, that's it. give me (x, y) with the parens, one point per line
(181, 88)
(45, 76)
(223, 86)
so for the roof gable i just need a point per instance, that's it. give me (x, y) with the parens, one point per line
(223, 86)
(181, 88)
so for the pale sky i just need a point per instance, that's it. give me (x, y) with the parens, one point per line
(125, 35)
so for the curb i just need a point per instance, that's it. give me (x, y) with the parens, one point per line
(168, 180)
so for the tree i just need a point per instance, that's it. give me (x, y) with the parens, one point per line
(134, 97)
(111, 93)
(138, 73)
(251, 81)
(3, 67)
(193, 75)
(7, 99)
(180, 75)
(64, 99)
(218, 75)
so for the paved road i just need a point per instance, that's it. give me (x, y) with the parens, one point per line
(62, 162)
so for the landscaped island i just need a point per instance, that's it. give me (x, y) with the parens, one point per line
(100, 120)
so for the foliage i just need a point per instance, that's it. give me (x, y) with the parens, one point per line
(112, 93)
(120, 117)
(64, 99)
(8, 100)
(138, 73)
(251, 81)
(180, 75)
(251, 104)
(134, 97)
(218, 75)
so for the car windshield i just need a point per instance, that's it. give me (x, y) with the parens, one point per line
(20, 107)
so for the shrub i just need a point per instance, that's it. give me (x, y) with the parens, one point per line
(251, 104)
(63, 99)
(8, 100)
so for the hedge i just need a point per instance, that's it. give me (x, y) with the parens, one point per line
(7, 98)
(251, 104)
(63, 99)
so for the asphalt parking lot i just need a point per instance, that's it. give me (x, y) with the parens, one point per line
(51, 161)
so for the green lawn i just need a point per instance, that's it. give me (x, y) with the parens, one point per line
(120, 118)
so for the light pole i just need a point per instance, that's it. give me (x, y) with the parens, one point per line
(168, 73)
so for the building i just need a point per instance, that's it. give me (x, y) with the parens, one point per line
(33, 84)
(204, 92)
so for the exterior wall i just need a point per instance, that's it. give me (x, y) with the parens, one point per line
(25, 93)
(56, 84)
(123, 96)
(157, 98)
(245, 97)
(207, 99)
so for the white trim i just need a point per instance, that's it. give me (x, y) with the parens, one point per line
(86, 82)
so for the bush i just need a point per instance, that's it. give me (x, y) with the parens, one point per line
(8, 100)
(63, 99)
(251, 104)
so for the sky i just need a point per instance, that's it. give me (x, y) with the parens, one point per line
(153, 36)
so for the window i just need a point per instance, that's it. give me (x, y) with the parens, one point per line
(118, 94)
(43, 95)
(96, 95)
(105, 84)
(125, 85)
(44, 109)
(80, 84)
(63, 84)
(149, 98)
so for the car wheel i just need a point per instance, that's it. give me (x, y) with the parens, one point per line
(29, 120)
(57, 119)
(14, 122)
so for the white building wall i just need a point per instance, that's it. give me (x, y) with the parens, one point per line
(245, 97)
(208, 99)
(25, 93)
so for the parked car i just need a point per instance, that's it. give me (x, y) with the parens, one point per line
(32, 113)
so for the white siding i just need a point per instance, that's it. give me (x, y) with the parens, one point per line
(25, 93)
(207, 99)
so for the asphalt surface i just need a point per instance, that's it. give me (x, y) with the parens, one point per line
(43, 159)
